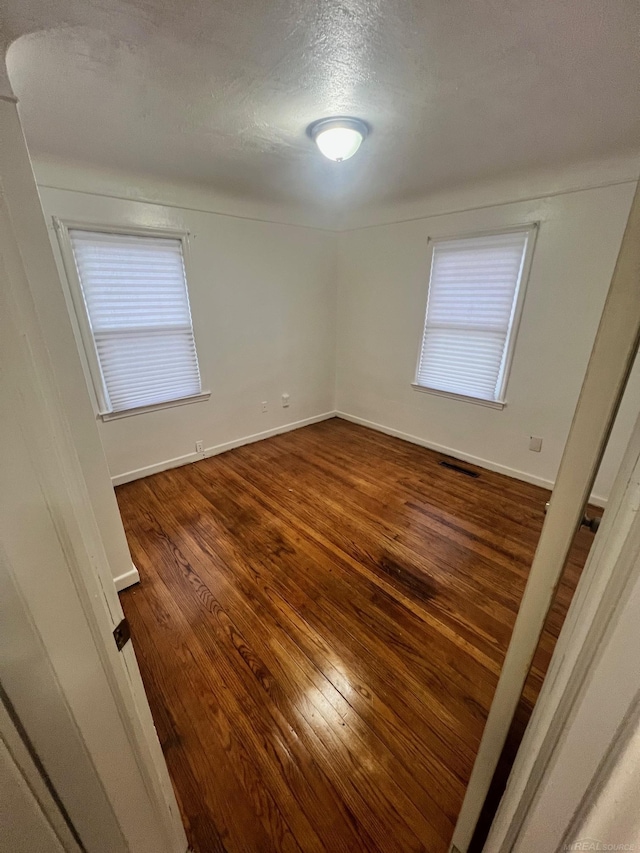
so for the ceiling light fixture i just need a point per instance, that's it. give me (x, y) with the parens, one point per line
(338, 138)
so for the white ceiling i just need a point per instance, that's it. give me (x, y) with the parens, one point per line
(220, 92)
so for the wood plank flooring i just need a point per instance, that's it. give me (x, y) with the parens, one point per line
(320, 626)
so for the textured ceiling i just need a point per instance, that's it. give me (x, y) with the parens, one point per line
(220, 92)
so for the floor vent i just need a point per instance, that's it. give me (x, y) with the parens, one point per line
(453, 467)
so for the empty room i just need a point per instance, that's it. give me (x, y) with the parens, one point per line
(320, 463)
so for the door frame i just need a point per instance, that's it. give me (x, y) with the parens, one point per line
(599, 609)
(608, 369)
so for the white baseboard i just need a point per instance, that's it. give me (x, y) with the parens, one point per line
(176, 462)
(127, 579)
(138, 473)
(460, 454)
(258, 436)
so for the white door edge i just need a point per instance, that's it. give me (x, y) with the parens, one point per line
(60, 473)
(611, 572)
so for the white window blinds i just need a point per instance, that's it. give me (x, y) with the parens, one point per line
(472, 305)
(135, 294)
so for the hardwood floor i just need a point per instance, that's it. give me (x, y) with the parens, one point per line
(320, 626)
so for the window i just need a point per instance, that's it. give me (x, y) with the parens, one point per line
(476, 289)
(134, 317)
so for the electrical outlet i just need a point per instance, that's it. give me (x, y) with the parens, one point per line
(264, 405)
(535, 444)
(199, 446)
(285, 401)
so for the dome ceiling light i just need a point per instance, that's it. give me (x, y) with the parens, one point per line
(338, 138)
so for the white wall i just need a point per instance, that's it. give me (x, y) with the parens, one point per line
(266, 315)
(382, 287)
(263, 305)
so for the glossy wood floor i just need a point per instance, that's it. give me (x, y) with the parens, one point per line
(320, 626)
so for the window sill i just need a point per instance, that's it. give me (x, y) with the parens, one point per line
(142, 410)
(491, 404)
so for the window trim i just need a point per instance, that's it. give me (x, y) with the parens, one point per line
(168, 404)
(532, 233)
(465, 398)
(74, 288)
